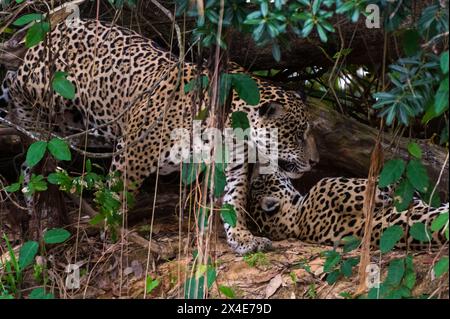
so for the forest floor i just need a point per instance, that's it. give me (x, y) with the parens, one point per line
(293, 269)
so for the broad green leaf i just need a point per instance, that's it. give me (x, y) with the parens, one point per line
(62, 86)
(227, 291)
(39, 293)
(396, 270)
(417, 175)
(390, 238)
(410, 274)
(441, 98)
(333, 258)
(151, 284)
(35, 153)
(239, 119)
(441, 267)
(211, 276)
(439, 222)
(347, 266)
(419, 232)
(56, 236)
(403, 195)
(415, 150)
(37, 184)
(220, 181)
(246, 87)
(333, 277)
(27, 253)
(228, 214)
(14, 187)
(36, 33)
(59, 149)
(27, 18)
(444, 62)
(392, 171)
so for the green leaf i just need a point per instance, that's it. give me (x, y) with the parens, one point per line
(59, 149)
(441, 267)
(220, 181)
(225, 84)
(193, 288)
(415, 150)
(392, 171)
(227, 291)
(333, 258)
(417, 175)
(410, 41)
(62, 86)
(39, 293)
(190, 171)
(390, 237)
(27, 18)
(36, 33)
(419, 232)
(56, 236)
(246, 87)
(333, 277)
(14, 187)
(403, 195)
(276, 52)
(350, 243)
(228, 214)
(194, 84)
(151, 284)
(322, 34)
(396, 271)
(439, 222)
(27, 253)
(410, 274)
(239, 119)
(211, 276)
(35, 153)
(347, 266)
(444, 62)
(441, 98)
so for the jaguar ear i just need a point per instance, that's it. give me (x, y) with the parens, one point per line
(271, 110)
(270, 204)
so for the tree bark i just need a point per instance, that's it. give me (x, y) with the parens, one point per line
(346, 144)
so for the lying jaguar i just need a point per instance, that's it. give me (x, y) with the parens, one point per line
(330, 211)
(127, 93)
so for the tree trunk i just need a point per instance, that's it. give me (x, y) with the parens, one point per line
(346, 144)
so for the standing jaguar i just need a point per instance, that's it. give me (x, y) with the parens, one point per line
(330, 211)
(127, 93)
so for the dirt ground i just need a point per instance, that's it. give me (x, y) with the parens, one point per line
(293, 269)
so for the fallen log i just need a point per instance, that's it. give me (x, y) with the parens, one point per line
(346, 144)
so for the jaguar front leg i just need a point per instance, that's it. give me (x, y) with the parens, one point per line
(240, 239)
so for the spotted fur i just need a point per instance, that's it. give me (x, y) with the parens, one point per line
(330, 211)
(117, 71)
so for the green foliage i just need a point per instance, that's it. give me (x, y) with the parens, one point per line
(228, 214)
(390, 238)
(56, 236)
(62, 86)
(415, 150)
(336, 265)
(392, 171)
(399, 281)
(257, 259)
(27, 18)
(27, 253)
(227, 291)
(151, 284)
(441, 267)
(420, 232)
(36, 33)
(39, 293)
(35, 153)
(59, 149)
